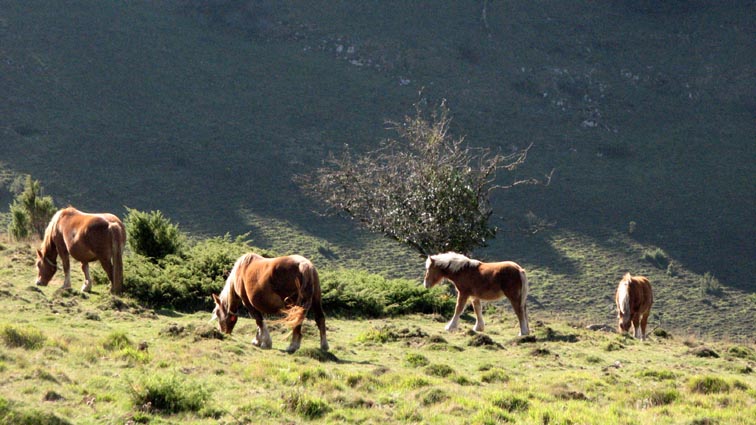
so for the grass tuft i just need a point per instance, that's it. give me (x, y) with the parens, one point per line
(708, 385)
(28, 338)
(416, 360)
(309, 408)
(168, 394)
(510, 402)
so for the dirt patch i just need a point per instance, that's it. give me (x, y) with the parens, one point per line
(482, 340)
(173, 329)
(704, 352)
(208, 332)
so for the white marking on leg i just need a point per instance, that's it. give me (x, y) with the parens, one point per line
(267, 342)
(453, 324)
(524, 329)
(480, 325)
(67, 280)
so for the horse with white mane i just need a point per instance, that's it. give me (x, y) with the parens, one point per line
(634, 298)
(480, 281)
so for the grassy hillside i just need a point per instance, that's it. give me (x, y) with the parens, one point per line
(72, 358)
(205, 110)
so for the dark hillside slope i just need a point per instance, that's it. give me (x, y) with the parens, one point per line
(206, 109)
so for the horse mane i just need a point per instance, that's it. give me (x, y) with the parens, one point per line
(623, 295)
(232, 278)
(453, 262)
(47, 239)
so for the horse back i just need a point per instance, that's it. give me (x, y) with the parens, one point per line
(87, 236)
(641, 294)
(270, 284)
(500, 278)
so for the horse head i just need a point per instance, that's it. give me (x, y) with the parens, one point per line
(46, 268)
(226, 319)
(433, 274)
(624, 315)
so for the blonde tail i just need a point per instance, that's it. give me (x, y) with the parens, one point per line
(118, 240)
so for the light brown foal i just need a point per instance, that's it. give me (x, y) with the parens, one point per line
(480, 281)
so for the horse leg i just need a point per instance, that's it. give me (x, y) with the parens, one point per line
(87, 287)
(296, 339)
(479, 324)
(461, 304)
(317, 309)
(636, 326)
(64, 259)
(108, 267)
(522, 315)
(644, 322)
(262, 337)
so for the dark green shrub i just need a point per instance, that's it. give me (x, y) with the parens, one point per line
(657, 257)
(360, 294)
(183, 282)
(27, 338)
(30, 211)
(152, 234)
(710, 285)
(168, 394)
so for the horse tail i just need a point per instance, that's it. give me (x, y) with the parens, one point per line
(306, 283)
(117, 240)
(524, 327)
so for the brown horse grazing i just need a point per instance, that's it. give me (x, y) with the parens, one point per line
(634, 298)
(480, 281)
(288, 285)
(85, 237)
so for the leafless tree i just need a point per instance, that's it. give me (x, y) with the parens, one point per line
(426, 189)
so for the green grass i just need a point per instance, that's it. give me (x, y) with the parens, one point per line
(140, 365)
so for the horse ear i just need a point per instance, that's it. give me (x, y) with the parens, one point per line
(39, 254)
(216, 299)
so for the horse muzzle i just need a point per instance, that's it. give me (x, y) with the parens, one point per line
(40, 283)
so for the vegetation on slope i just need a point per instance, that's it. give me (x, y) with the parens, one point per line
(206, 112)
(67, 357)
